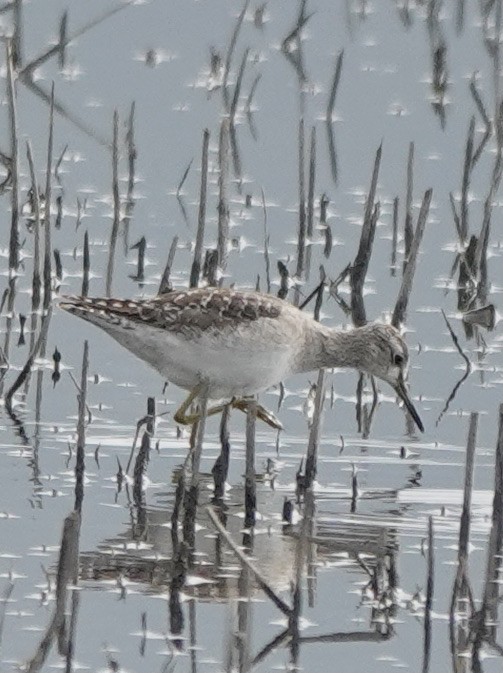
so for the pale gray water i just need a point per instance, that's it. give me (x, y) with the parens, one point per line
(383, 96)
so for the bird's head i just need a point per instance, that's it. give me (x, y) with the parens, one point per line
(387, 357)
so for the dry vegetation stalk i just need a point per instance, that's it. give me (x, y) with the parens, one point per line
(402, 301)
(86, 265)
(47, 213)
(14, 159)
(430, 583)
(250, 483)
(310, 199)
(329, 119)
(223, 198)
(195, 271)
(277, 600)
(165, 285)
(408, 228)
(301, 242)
(36, 280)
(230, 53)
(116, 205)
(358, 271)
(81, 431)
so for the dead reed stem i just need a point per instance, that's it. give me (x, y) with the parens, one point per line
(408, 230)
(220, 469)
(116, 204)
(269, 592)
(490, 601)
(195, 271)
(267, 259)
(86, 265)
(47, 213)
(329, 119)
(132, 156)
(310, 199)
(230, 53)
(25, 372)
(165, 285)
(67, 569)
(14, 159)
(394, 239)
(402, 301)
(358, 270)
(223, 198)
(315, 431)
(430, 584)
(461, 586)
(36, 280)
(250, 483)
(465, 185)
(301, 242)
(81, 431)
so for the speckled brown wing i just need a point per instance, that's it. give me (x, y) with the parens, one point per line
(184, 311)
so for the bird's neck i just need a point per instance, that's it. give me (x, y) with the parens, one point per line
(329, 347)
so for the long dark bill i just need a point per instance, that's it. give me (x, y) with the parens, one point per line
(403, 394)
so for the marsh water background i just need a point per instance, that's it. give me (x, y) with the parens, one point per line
(385, 96)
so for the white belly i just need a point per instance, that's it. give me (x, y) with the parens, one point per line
(232, 365)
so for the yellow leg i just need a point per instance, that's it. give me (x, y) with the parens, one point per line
(182, 418)
(262, 413)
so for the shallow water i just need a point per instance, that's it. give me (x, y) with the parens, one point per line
(126, 573)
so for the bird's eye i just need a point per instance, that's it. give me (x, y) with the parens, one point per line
(398, 359)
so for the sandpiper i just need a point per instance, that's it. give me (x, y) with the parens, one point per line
(233, 344)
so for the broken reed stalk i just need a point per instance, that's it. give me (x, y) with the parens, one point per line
(490, 601)
(116, 205)
(300, 562)
(402, 301)
(394, 239)
(223, 198)
(81, 431)
(408, 231)
(195, 271)
(315, 430)
(430, 584)
(25, 372)
(230, 53)
(301, 243)
(250, 483)
(329, 119)
(14, 158)
(310, 199)
(358, 270)
(132, 156)
(485, 118)
(464, 527)
(165, 285)
(36, 280)
(236, 158)
(220, 469)
(17, 34)
(47, 212)
(461, 582)
(184, 177)
(86, 265)
(248, 107)
(465, 185)
(151, 416)
(267, 258)
(269, 592)
(67, 571)
(140, 466)
(237, 89)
